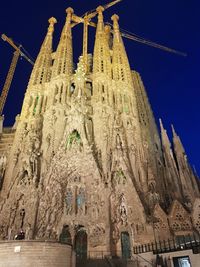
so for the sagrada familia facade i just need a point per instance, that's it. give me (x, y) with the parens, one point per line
(86, 158)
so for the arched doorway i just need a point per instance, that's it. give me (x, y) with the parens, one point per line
(81, 244)
(125, 245)
(65, 236)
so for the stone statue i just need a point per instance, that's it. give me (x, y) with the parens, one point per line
(69, 201)
(81, 201)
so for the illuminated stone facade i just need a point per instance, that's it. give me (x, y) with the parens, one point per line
(87, 155)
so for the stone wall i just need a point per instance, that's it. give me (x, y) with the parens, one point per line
(35, 254)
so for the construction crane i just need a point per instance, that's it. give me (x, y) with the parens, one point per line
(11, 71)
(86, 20)
(142, 40)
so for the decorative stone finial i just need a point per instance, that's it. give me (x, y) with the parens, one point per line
(69, 10)
(52, 21)
(115, 18)
(100, 9)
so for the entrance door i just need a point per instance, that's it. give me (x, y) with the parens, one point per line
(65, 236)
(182, 261)
(126, 246)
(81, 244)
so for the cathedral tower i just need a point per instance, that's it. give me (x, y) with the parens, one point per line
(87, 162)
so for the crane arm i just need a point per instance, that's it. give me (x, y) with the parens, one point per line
(8, 40)
(139, 39)
(91, 14)
(153, 44)
(111, 4)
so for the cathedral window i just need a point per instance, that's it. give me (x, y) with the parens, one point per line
(126, 108)
(35, 106)
(113, 99)
(72, 87)
(73, 139)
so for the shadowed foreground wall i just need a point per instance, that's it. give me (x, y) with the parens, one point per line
(35, 254)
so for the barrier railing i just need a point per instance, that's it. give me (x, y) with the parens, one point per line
(169, 245)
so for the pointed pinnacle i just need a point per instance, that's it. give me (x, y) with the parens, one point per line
(115, 19)
(173, 130)
(161, 124)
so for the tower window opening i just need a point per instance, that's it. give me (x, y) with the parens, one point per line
(72, 88)
(89, 86)
(61, 92)
(35, 106)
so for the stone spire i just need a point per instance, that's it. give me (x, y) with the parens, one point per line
(187, 176)
(63, 63)
(102, 59)
(41, 69)
(121, 67)
(178, 146)
(164, 137)
(101, 63)
(171, 173)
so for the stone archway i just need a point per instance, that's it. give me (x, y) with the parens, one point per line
(81, 244)
(125, 245)
(65, 236)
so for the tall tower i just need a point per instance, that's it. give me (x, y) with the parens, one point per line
(87, 162)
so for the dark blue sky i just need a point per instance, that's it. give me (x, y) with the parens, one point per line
(172, 82)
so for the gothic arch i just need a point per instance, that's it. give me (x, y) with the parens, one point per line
(65, 236)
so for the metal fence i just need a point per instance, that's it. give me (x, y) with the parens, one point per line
(176, 244)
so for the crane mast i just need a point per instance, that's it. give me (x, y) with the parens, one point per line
(11, 71)
(8, 81)
(86, 20)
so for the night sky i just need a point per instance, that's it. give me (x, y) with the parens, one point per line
(171, 81)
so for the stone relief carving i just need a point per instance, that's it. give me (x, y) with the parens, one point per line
(119, 178)
(69, 201)
(123, 209)
(97, 235)
(81, 201)
(95, 204)
(179, 218)
(152, 196)
(3, 161)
